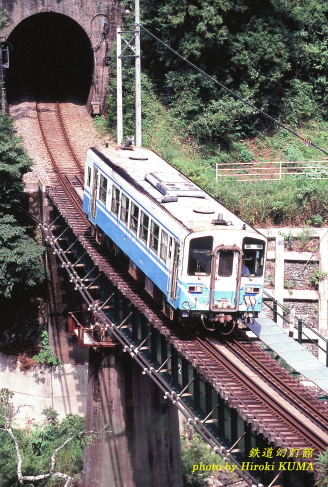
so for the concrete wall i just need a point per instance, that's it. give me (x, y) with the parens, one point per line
(289, 271)
(62, 388)
(89, 14)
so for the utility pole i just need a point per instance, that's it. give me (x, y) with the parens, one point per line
(138, 74)
(119, 95)
(132, 43)
(4, 64)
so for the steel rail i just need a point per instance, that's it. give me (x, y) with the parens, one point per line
(287, 385)
(273, 406)
(146, 366)
(62, 176)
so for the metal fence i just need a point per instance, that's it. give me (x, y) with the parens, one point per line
(271, 171)
(305, 332)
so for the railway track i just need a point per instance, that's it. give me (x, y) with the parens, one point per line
(279, 379)
(289, 422)
(239, 387)
(68, 170)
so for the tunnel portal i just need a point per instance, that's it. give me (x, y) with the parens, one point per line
(52, 59)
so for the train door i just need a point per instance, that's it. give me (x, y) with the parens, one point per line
(93, 197)
(175, 255)
(225, 279)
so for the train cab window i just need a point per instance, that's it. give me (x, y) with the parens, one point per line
(115, 200)
(144, 226)
(154, 236)
(200, 256)
(134, 217)
(103, 189)
(164, 246)
(225, 263)
(124, 213)
(253, 257)
(88, 181)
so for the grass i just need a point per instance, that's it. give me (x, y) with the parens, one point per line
(291, 201)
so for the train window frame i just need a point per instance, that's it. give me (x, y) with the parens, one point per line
(89, 173)
(133, 218)
(115, 204)
(164, 254)
(207, 272)
(251, 263)
(102, 191)
(124, 208)
(225, 268)
(154, 239)
(143, 227)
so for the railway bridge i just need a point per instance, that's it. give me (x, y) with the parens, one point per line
(142, 371)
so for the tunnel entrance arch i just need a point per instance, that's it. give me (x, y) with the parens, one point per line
(52, 58)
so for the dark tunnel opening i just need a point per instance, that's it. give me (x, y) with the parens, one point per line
(51, 60)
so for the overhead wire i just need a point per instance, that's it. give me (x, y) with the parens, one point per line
(231, 92)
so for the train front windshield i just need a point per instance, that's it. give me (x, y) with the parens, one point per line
(200, 256)
(253, 257)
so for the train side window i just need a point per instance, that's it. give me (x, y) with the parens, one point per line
(103, 189)
(115, 200)
(164, 246)
(124, 213)
(225, 263)
(144, 226)
(200, 256)
(170, 250)
(154, 236)
(134, 217)
(88, 176)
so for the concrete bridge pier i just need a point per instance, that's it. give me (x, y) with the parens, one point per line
(141, 447)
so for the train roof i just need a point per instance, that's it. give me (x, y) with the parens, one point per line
(187, 203)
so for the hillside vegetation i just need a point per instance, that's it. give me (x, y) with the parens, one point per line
(272, 52)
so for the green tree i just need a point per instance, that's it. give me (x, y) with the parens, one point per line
(20, 256)
(272, 52)
(56, 446)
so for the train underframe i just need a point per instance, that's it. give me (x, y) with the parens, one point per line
(223, 323)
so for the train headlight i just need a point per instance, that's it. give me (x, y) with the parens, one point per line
(247, 301)
(223, 304)
(195, 289)
(252, 290)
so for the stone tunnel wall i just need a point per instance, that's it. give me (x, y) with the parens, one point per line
(91, 15)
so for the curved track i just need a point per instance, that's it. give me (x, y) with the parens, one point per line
(282, 416)
(279, 379)
(66, 166)
(239, 387)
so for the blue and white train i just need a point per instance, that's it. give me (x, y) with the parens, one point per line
(191, 254)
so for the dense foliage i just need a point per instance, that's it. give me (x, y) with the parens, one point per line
(272, 52)
(322, 480)
(38, 444)
(20, 256)
(193, 451)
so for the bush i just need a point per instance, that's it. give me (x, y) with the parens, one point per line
(194, 451)
(46, 356)
(316, 220)
(322, 480)
(317, 276)
(26, 362)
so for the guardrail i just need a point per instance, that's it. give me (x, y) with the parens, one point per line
(296, 323)
(271, 171)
